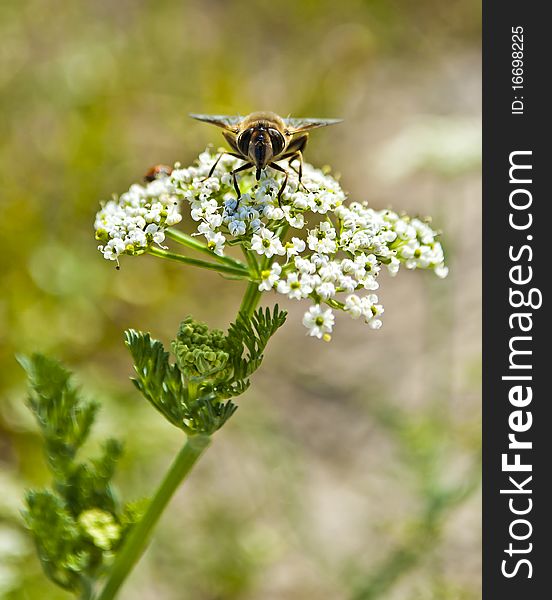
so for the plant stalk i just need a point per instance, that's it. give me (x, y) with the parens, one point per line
(236, 271)
(191, 242)
(252, 293)
(141, 532)
(195, 446)
(250, 299)
(86, 592)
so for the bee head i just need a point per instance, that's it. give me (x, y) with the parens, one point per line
(261, 144)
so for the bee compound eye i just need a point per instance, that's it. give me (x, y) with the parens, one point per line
(243, 141)
(277, 140)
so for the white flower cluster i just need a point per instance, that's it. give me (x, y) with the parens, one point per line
(131, 223)
(255, 218)
(308, 244)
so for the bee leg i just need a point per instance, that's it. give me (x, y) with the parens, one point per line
(298, 156)
(217, 162)
(214, 166)
(283, 186)
(212, 170)
(281, 190)
(247, 165)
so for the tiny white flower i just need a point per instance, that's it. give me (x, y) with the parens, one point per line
(297, 220)
(348, 266)
(319, 322)
(137, 238)
(368, 262)
(371, 310)
(266, 243)
(368, 282)
(300, 201)
(322, 239)
(319, 260)
(347, 284)
(205, 229)
(113, 249)
(388, 236)
(230, 205)
(331, 271)
(215, 220)
(269, 277)
(295, 246)
(325, 290)
(275, 213)
(353, 305)
(393, 266)
(441, 271)
(304, 265)
(418, 256)
(215, 242)
(295, 287)
(159, 238)
(237, 227)
(255, 224)
(157, 234)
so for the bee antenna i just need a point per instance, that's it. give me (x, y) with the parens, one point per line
(258, 174)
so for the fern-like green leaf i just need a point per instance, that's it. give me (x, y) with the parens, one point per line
(78, 523)
(64, 418)
(210, 368)
(160, 382)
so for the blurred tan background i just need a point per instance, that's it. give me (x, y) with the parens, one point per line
(351, 469)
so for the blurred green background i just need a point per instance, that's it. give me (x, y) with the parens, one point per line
(351, 469)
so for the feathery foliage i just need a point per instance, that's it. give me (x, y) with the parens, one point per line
(210, 367)
(78, 524)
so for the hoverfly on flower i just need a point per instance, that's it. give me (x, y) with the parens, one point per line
(262, 139)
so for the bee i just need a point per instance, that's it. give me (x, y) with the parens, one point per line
(157, 171)
(262, 139)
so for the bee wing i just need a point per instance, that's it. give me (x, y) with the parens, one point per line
(299, 125)
(228, 122)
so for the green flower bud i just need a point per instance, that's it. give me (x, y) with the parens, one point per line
(101, 527)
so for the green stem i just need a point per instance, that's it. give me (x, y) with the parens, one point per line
(194, 244)
(252, 293)
(250, 299)
(251, 261)
(86, 592)
(141, 532)
(196, 262)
